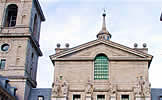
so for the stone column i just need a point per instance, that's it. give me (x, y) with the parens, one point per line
(88, 97)
(147, 97)
(142, 98)
(112, 97)
(139, 97)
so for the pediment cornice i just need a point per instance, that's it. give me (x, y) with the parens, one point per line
(98, 42)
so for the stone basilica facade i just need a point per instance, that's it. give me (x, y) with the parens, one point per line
(101, 70)
(98, 70)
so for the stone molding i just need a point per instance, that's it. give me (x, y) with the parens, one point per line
(96, 42)
(135, 55)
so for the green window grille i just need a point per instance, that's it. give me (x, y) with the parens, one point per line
(2, 63)
(101, 68)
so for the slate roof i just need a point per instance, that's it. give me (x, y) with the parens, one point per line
(5, 87)
(45, 92)
(156, 93)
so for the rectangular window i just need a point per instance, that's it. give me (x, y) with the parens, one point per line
(125, 97)
(100, 97)
(2, 63)
(40, 97)
(76, 97)
(160, 97)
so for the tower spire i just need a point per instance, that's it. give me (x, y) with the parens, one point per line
(104, 21)
(104, 33)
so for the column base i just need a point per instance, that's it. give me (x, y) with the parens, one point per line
(59, 98)
(112, 98)
(88, 97)
(143, 98)
(148, 98)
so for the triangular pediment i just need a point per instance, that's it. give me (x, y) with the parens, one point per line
(92, 48)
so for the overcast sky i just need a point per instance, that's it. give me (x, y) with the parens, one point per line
(78, 21)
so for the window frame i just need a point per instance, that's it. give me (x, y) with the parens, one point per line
(104, 71)
(14, 12)
(125, 95)
(1, 64)
(3, 47)
(76, 95)
(40, 96)
(101, 98)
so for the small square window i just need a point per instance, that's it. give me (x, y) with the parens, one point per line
(125, 97)
(76, 97)
(100, 97)
(40, 97)
(2, 63)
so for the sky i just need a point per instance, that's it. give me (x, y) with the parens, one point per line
(78, 21)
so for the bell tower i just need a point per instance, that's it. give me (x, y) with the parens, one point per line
(20, 22)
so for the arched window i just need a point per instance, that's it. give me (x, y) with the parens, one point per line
(11, 15)
(35, 25)
(101, 69)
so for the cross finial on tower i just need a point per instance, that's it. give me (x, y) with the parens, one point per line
(104, 14)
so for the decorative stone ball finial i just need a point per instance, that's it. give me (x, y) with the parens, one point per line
(135, 45)
(144, 45)
(58, 45)
(67, 45)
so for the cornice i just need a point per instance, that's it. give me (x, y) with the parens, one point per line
(96, 42)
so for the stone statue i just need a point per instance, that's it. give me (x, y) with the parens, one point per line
(112, 89)
(143, 87)
(55, 88)
(146, 88)
(60, 88)
(138, 90)
(89, 88)
(64, 88)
